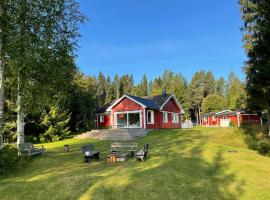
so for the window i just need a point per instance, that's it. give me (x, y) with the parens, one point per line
(214, 118)
(101, 119)
(175, 118)
(165, 117)
(150, 117)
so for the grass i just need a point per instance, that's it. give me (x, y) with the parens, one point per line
(183, 164)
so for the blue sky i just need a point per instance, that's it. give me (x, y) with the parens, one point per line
(147, 36)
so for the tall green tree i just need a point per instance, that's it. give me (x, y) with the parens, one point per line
(1, 72)
(220, 87)
(142, 88)
(213, 103)
(209, 83)
(39, 46)
(256, 18)
(235, 93)
(196, 92)
(101, 89)
(116, 87)
(156, 87)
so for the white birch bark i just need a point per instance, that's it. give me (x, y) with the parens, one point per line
(20, 115)
(1, 86)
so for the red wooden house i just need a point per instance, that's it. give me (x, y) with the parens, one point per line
(162, 111)
(227, 117)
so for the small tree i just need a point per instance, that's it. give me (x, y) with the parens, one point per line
(212, 103)
(56, 124)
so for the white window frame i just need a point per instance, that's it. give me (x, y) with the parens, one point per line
(152, 117)
(101, 119)
(165, 117)
(175, 118)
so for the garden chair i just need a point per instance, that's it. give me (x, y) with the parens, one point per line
(142, 154)
(29, 149)
(89, 152)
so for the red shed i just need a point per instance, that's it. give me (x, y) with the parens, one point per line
(162, 111)
(226, 117)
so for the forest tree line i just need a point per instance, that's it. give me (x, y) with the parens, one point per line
(76, 106)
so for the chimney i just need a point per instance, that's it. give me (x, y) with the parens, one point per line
(164, 92)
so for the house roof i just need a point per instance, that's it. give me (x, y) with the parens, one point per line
(225, 113)
(151, 102)
(160, 99)
(103, 108)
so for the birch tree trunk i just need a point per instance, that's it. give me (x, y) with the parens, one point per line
(20, 115)
(1, 85)
(1, 99)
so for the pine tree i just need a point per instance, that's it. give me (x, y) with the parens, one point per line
(220, 87)
(142, 88)
(116, 87)
(209, 83)
(235, 93)
(256, 18)
(196, 92)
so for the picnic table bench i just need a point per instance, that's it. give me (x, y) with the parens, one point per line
(124, 147)
(29, 149)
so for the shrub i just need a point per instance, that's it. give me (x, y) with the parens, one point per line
(263, 146)
(9, 160)
(232, 124)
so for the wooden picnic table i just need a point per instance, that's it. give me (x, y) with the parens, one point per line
(124, 147)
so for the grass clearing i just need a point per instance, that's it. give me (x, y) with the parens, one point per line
(183, 164)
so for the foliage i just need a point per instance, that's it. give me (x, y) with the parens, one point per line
(56, 124)
(9, 160)
(235, 94)
(142, 88)
(9, 132)
(256, 18)
(82, 102)
(263, 146)
(212, 103)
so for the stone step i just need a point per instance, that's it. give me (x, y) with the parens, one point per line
(114, 134)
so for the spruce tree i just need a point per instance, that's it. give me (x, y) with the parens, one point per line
(256, 18)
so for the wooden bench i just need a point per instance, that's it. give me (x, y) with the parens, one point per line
(29, 149)
(124, 147)
(89, 152)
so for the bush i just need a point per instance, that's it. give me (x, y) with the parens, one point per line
(9, 160)
(232, 124)
(263, 146)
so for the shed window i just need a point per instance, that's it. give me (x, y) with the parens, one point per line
(150, 117)
(214, 118)
(165, 117)
(175, 118)
(101, 119)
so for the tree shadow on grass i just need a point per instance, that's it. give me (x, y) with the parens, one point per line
(176, 169)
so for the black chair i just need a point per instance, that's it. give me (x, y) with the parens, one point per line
(90, 152)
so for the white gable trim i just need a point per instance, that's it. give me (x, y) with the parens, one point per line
(177, 103)
(119, 100)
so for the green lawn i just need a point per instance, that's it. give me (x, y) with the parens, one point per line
(183, 164)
